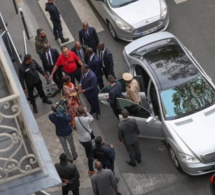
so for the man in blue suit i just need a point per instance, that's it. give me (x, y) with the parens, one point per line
(88, 86)
(88, 36)
(115, 92)
(94, 64)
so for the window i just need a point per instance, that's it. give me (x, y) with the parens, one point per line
(144, 77)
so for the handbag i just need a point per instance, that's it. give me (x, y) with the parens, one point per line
(91, 134)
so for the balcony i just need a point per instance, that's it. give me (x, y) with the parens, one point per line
(25, 164)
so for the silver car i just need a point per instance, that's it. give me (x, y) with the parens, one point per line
(130, 19)
(178, 100)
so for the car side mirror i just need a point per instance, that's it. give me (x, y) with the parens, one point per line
(151, 119)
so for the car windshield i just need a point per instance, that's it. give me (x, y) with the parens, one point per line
(120, 3)
(187, 98)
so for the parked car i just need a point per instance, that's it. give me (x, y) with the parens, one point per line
(131, 19)
(178, 100)
(212, 184)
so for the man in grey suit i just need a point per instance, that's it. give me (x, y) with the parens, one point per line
(128, 134)
(104, 181)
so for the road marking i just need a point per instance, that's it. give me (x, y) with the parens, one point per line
(140, 184)
(66, 32)
(86, 14)
(179, 1)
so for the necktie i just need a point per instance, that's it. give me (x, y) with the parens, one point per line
(49, 59)
(79, 54)
(86, 32)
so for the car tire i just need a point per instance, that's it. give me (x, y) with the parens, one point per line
(174, 158)
(112, 31)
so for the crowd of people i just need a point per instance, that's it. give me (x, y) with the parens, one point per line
(80, 71)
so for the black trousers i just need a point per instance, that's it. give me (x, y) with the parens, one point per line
(57, 77)
(134, 152)
(74, 75)
(108, 72)
(94, 104)
(88, 146)
(39, 88)
(57, 29)
(66, 192)
(100, 83)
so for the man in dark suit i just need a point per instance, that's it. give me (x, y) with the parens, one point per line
(79, 50)
(106, 59)
(49, 58)
(88, 36)
(128, 134)
(88, 86)
(115, 92)
(95, 65)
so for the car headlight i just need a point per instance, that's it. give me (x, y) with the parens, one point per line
(163, 9)
(122, 25)
(188, 158)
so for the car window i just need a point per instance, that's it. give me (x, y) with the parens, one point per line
(187, 98)
(120, 3)
(133, 108)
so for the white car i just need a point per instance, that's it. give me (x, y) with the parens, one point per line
(178, 100)
(131, 19)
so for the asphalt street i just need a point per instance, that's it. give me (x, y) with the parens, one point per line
(192, 21)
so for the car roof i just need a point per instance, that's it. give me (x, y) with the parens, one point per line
(165, 59)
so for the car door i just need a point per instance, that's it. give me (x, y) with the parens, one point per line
(103, 94)
(140, 114)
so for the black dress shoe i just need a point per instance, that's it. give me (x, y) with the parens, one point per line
(75, 157)
(47, 101)
(130, 163)
(35, 109)
(59, 90)
(64, 40)
(98, 116)
(139, 160)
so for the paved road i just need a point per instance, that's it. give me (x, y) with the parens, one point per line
(192, 22)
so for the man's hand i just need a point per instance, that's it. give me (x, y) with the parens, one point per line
(46, 77)
(25, 91)
(81, 91)
(51, 76)
(111, 146)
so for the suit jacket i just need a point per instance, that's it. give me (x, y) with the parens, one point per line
(89, 84)
(115, 92)
(91, 40)
(95, 66)
(84, 57)
(46, 66)
(104, 182)
(108, 62)
(128, 131)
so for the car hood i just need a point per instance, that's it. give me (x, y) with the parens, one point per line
(139, 11)
(197, 131)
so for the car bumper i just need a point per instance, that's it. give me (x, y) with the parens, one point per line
(198, 169)
(130, 36)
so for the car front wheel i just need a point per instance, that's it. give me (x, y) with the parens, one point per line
(112, 31)
(174, 158)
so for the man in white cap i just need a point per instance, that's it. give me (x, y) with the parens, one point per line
(132, 88)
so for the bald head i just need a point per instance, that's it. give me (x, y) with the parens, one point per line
(101, 46)
(85, 26)
(89, 51)
(124, 113)
(77, 45)
(98, 165)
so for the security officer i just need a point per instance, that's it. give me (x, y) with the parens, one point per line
(55, 18)
(28, 72)
(132, 88)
